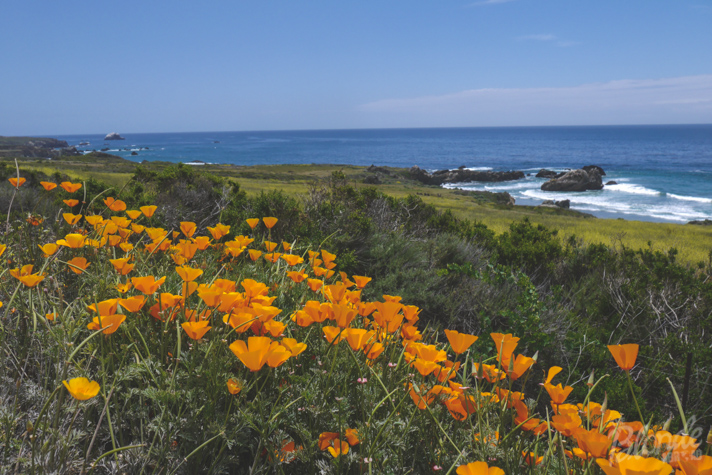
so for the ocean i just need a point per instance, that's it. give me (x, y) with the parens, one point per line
(663, 173)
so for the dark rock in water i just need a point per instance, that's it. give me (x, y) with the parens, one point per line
(544, 173)
(612, 182)
(706, 222)
(134, 153)
(113, 136)
(372, 180)
(564, 204)
(575, 180)
(462, 176)
(105, 149)
(461, 167)
(600, 171)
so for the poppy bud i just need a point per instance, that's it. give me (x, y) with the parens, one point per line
(590, 380)
(604, 406)
(666, 426)
(709, 437)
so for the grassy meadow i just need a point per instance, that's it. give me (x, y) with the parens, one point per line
(692, 242)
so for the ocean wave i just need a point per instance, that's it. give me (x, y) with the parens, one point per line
(690, 198)
(633, 189)
(476, 169)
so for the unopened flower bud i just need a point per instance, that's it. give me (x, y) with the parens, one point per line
(709, 437)
(590, 380)
(666, 426)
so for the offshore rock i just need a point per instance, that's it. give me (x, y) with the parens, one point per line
(462, 176)
(575, 180)
(544, 173)
(600, 171)
(113, 136)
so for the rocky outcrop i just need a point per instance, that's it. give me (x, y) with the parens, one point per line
(113, 136)
(611, 182)
(544, 173)
(564, 204)
(35, 147)
(462, 176)
(596, 168)
(575, 180)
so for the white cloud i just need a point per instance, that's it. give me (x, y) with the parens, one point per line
(630, 101)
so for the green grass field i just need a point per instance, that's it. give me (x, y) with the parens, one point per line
(694, 243)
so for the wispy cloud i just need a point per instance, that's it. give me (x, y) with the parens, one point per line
(685, 99)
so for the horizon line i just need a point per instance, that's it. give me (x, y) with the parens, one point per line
(347, 129)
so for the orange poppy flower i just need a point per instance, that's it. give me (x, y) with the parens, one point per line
(592, 442)
(625, 355)
(270, 246)
(233, 386)
(114, 205)
(269, 222)
(133, 304)
(187, 228)
(460, 342)
(122, 265)
(148, 211)
(48, 185)
(292, 259)
(78, 265)
(558, 393)
(196, 330)
(16, 183)
(373, 351)
(361, 281)
(340, 447)
(272, 257)
(505, 345)
(296, 276)
(188, 274)
(531, 459)
(106, 307)
(478, 468)
(71, 203)
(253, 222)
(71, 219)
(254, 254)
(219, 231)
(70, 187)
(286, 246)
(293, 346)
(49, 249)
(81, 388)
(73, 241)
(147, 285)
(255, 353)
(110, 323)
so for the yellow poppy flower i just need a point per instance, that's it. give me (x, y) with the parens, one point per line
(81, 388)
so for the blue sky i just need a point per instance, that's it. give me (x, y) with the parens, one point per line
(157, 66)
